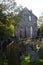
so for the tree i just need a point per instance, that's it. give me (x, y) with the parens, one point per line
(40, 29)
(40, 21)
(38, 32)
(8, 21)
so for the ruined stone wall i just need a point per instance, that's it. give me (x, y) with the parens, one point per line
(26, 24)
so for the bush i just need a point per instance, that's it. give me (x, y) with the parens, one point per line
(26, 61)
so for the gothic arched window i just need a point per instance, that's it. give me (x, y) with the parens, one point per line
(29, 18)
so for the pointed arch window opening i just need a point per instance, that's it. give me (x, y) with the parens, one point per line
(31, 31)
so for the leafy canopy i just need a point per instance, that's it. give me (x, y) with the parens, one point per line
(8, 19)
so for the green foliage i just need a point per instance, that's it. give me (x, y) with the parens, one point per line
(26, 61)
(41, 30)
(6, 25)
(40, 21)
(6, 28)
(38, 33)
(8, 21)
(5, 62)
(9, 6)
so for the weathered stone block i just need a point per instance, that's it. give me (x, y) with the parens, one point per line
(33, 55)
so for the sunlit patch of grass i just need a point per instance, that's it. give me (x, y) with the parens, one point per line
(5, 62)
(24, 63)
(27, 58)
(41, 61)
(27, 61)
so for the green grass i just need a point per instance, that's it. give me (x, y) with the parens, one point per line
(5, 62)
(26, 61)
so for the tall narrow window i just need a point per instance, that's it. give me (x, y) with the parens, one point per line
(29, 18)
(31, 31)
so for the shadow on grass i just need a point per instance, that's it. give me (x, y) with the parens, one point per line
(26, 61)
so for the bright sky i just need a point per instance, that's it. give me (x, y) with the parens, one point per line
(35, 5)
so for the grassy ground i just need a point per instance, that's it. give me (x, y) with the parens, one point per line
(26, 61)
(5, 62)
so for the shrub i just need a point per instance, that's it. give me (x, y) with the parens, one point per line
(26, 61)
